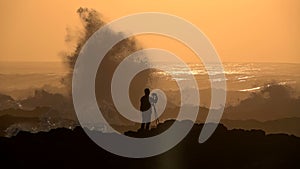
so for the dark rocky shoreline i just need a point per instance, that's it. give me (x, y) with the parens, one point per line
(65, 148)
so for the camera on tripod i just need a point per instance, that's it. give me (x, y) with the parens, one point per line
(154, 98)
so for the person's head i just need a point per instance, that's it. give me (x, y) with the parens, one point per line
(147, 91)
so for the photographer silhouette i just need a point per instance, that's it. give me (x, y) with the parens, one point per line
(145, 108)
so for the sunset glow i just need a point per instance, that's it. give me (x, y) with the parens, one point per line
(242, 31)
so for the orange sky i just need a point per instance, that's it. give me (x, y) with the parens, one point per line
(247, 31)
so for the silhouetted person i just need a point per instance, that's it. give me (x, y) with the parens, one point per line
(145, 109)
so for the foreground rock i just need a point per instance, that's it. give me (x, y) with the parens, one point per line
(64, 148)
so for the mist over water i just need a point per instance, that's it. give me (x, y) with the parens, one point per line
(21, 79)
(260, 91)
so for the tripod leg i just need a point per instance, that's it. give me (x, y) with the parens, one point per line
(155, 113)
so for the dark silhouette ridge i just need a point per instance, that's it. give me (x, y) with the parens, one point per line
(271, 103)
(285, 125)
(16, 124)
(26, 119)
(7, 102)
(64, 148)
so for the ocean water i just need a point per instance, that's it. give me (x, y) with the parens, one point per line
(20, 79)
(240, 76)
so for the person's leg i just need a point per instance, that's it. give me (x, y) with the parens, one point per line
(148, 126)
(148, 119)
(143, 120)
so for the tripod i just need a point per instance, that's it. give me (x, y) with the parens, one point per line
(155, 115)
(154, 101)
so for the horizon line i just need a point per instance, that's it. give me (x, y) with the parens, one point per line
(57, 61)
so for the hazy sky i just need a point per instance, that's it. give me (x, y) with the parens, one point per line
(248, 30)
